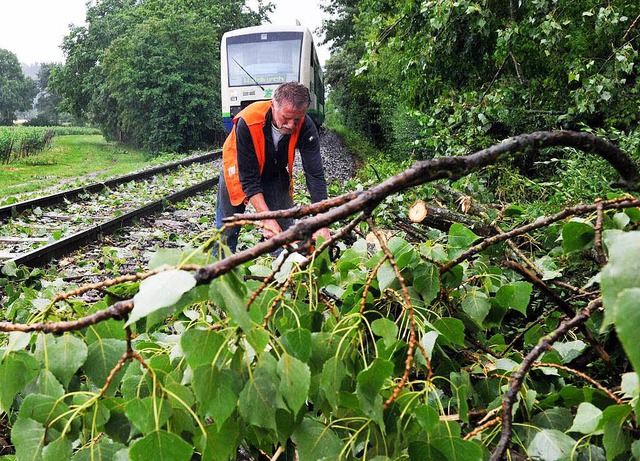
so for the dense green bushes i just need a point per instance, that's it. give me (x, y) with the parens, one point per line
(458, 76)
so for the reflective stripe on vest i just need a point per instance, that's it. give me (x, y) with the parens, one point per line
(254, 115)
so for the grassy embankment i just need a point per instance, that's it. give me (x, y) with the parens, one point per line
(71, 160)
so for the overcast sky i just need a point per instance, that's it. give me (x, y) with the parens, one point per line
(33, 29)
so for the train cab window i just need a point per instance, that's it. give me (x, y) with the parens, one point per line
(266, 58)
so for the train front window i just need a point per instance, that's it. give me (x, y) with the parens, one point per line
(269, 58)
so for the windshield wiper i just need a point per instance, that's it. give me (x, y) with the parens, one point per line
(250, 76)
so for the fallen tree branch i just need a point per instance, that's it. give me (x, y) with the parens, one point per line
(116, 311)
(365, 201)
(567, 212)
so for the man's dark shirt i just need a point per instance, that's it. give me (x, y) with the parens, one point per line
(276, 163)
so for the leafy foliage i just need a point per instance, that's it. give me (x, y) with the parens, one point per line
(395, 351)
(448, 77)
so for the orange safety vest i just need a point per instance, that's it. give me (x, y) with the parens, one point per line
(254, 116)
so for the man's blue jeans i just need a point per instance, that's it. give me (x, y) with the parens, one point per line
(276, 195)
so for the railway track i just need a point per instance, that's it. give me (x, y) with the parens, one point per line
(86, 237)
(36, 231)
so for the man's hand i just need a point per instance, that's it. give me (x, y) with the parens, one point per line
(271, 228)
(324, 233)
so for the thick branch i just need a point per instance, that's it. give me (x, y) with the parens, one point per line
(118, 310)
(426, 171)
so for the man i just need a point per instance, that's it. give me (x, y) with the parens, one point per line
(258, 160)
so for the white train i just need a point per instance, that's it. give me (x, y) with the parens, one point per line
(255, 60)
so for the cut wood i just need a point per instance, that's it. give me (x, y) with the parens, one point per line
(418, 211)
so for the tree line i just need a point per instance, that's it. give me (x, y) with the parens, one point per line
(146, 73)
(432, 78)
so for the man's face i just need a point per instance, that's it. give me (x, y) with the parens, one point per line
(286, 117)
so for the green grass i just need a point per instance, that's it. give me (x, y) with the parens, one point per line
(71, 159)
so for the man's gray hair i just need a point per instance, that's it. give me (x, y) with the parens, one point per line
(294, 93)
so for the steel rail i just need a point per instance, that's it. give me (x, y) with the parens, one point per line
(43, 255)
(72, 194)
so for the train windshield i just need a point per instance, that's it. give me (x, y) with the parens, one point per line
(265, 58)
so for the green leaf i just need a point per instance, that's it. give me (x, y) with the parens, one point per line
(587, 419)
(160, 446)
(57, 450)
(222, 442)
(108, 329)
(295, 379)
(476, 305)
(630, 385)
(228, 293)
(386, 276)
(10, 269)
(160, 291)
(577, 236)
(427, 417)
(17, 341)
(260, 398)
(258, 338)
(46, 384)
(148, 414)
(97, 415)
(513, 210)
(627, 320)
(558, 418)
(217, 392)
(42, 408)
(615, 440)
(428, 341)
(403, 252)
(550, 445)
(315, 441)
(102, 357)
(569, 350)
(63, 355)
(635, 449)
(451, 331)
(333, 373)
(461, 239)
(176, 256)
(622, 271)
(17, 369)
(456, 449)
(621, 220)
(297, 342)
(515, 295)
(27, 436)
(426, 281)
(423, 451)
(369, 383)
(197, 295)
(386, 329)
(201, 346)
